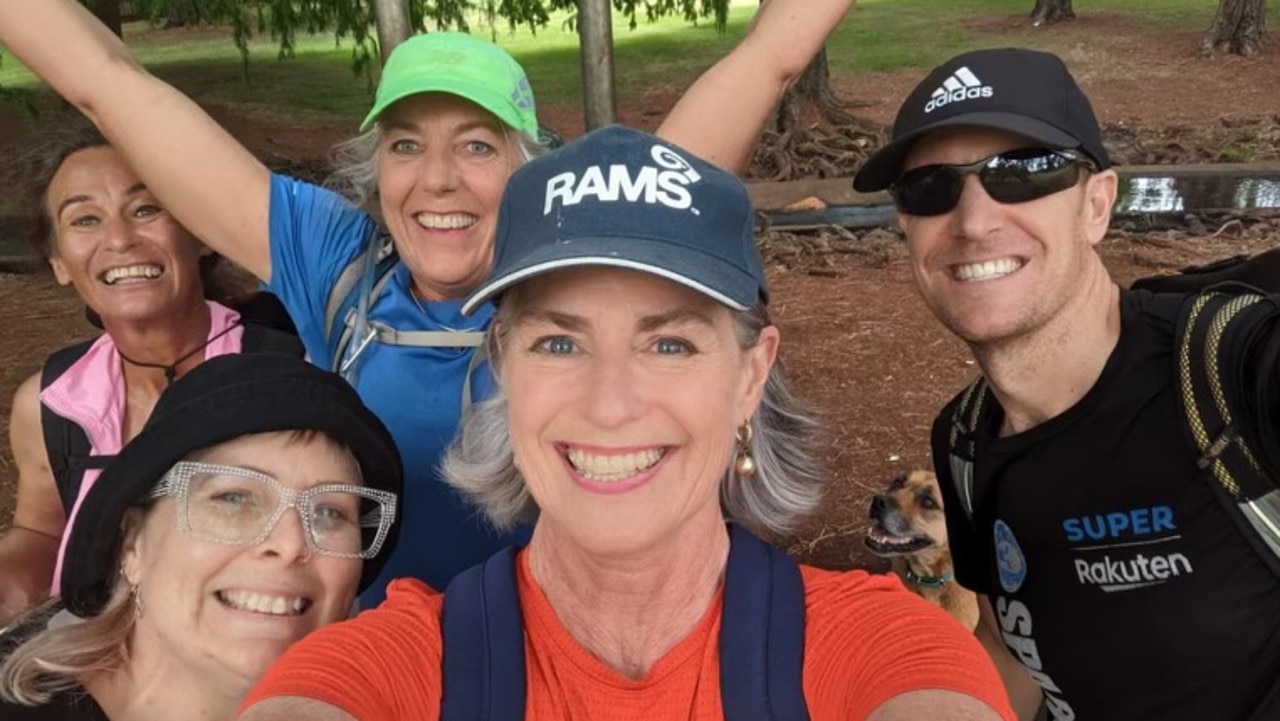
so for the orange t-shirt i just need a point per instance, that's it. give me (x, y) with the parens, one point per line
(866, 640)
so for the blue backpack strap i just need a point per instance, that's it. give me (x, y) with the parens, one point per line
(761, 633)
(761, 638)
(484, 676)
(65, 442)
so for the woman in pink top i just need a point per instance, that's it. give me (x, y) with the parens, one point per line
(103, 233)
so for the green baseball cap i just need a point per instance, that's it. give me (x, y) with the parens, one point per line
(462, 65)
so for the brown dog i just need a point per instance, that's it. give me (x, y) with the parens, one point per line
(909, 528)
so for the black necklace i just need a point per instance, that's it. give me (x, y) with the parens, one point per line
(171, 370)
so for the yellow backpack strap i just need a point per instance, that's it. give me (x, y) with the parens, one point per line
(1214, 331)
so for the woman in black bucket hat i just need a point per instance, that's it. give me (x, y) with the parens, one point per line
(259, 499)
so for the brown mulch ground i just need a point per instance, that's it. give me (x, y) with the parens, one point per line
(857, 339)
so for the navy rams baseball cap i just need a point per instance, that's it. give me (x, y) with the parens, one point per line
(1027, 92)
(622, 198)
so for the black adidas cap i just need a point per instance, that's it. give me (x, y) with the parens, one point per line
(1027, 92)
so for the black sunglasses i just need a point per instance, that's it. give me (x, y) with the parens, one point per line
(1014, 176)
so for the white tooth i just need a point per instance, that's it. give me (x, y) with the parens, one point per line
(612, 467)
(298, 603)
(132, 271)
(445, 222)
(987, 270)
(280, 606)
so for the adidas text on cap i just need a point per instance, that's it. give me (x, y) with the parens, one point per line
(622, 198)
(1026, 92)
(458, 64)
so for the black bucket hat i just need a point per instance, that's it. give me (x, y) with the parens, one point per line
(221, 399)
(1027, 92)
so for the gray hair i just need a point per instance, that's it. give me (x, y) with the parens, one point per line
(788, 485)
(355, 162)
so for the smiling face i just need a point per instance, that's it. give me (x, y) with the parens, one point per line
(991, 271)
(443, 162)
(227, 612)
(907, 517)
(129, 260)
(624, 391)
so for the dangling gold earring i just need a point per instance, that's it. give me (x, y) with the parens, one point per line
(744, 465)
(135, 595)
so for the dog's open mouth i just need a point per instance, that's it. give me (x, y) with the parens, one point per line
(882, 542)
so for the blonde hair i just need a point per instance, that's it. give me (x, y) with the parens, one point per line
(56, 660)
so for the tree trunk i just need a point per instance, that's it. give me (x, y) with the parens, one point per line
(183, 13)
(394, 27)
(108, 11)
(814, 87)
(1051, 11)
(1239, 27)
(595, 43)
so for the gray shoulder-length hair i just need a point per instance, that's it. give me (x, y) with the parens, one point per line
(789, 483)
(355, 162)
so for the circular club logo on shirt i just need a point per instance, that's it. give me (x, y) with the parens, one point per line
(1009, 559)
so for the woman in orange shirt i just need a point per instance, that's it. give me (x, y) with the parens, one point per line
(640, 409)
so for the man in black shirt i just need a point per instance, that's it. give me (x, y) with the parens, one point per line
(1114, 585)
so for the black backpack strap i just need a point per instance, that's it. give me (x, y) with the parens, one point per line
(962, 440)
(483, 664)
(265, 339)
(1261, 271)
(761, 633)
(65, 442)
(1213, 334)
(262, 307)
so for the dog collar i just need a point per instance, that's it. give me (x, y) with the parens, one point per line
(929, 581)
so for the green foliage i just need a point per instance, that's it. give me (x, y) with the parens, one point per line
(655, 59)
(21, 98)
(690, 10)
(354, 19)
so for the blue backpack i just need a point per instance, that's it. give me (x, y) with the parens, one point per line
(761, 638)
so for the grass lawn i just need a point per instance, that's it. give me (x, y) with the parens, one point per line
(877, 35)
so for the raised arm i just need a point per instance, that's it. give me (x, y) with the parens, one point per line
(720, 117)
(29, 551)
(211, 183)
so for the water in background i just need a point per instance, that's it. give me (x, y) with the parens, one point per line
(1199, 192)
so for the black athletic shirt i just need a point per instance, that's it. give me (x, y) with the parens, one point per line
(68, 707)
(1118, 579)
